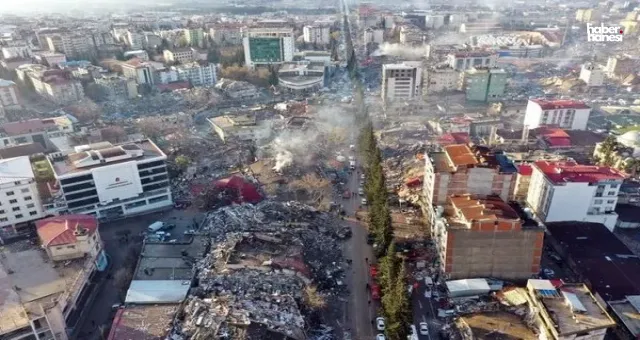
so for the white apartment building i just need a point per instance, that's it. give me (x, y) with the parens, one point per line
(401, 81)
(316, 34)
(19, 197)
(198, 73)
(466, 60)
(227, 33)
(181, 55)
(441, 79)
(592, 74)
(50, 59)
(73, 44)
(565, 114)
(135, 39)
(57, 86)
(117, 88)
(140, 54)
(113, 181)
(9, 94)
(567, 191)
(141, 72)
(267, 46)
(373, 35)
(17, 50)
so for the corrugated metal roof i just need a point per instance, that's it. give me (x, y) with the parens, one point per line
(157, 291)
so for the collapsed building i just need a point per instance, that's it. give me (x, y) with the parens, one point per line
(253, 279)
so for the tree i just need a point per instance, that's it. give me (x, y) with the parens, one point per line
(607, 150)
(273, 76)
(150, 128)
(632, 166)
(86, 111)
(397, 308)
(113, 134)
(183, 162)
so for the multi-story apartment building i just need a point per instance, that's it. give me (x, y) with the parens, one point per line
(180, 55)
(486, 237)
(401, 82)
(227, 33)
(585, 15)
(140, 54)
(373, 35)
(621, 66)
(57, 86)
(466, 60)
(316, 34)
(484, 84)
(194, 36)
(112, 181)
(441, 79)
(565, 114)
(267, 46)
(135, 40)
(567, 191)
(198, 73)
(9, 98)
(566, 311)
(523, 179)
(44, 295)
(50, 59)
(117, 88)
(74, 45)
(19, 197)
(141, 72)
(592, 74)
(34, 131)
(17, 49)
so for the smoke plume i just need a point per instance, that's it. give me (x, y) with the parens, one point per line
(399, 50)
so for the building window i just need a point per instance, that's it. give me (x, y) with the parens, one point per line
(611, 193)
(15, 208)
(16, 182)
(33, 213)
(19, 216)
(71, 247)
(13, 201)
(10, 193)
(24, 190)
(28, 198)
(597, 202)
(614, 186)
(30, 205)
(598, 194)
(601, 187)
(611, 201)
(3, 219)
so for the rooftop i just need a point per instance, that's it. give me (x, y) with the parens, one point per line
(628, 311)
(29, 281)
(496, 325)
(490, 208)
(525, 169)
(572, 307)
(21, 150)
(609, 267)
(60, 230)
(559, 104)
(143, 322)
(75, 162)
(478, 54)
(463, 155)
(15, 169)
(169, 261)
(567, 171)
(4, 82)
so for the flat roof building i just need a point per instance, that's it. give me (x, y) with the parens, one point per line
(565, 114)
(111, 181)
(486, 237)
(567, 191)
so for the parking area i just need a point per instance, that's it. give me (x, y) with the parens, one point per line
(120, 238)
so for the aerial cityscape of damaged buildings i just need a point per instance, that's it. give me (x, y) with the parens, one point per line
(197, 171)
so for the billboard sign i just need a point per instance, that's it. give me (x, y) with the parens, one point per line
(119, 181)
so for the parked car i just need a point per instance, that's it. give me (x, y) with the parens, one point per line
(380, 323)
(346, 194)
(363, 201)
(375, 291)
(424, 328)
(380, 337)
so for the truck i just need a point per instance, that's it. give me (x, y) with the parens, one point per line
(155, 226)
(352, 165)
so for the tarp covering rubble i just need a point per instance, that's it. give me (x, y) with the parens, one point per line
(301, 248)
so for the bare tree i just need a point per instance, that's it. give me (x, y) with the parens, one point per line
(113, 134)
(150, 128)
(317, 189)
(86, 111)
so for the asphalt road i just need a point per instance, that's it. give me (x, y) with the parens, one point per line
(425, 310)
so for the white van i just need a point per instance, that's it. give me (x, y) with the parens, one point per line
(155, 226)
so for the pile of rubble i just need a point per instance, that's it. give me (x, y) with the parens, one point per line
(261, 259)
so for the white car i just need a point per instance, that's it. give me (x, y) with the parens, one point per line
(351, 158)
(364, 201)
(380, 323)
(380, 337)
(424, 328)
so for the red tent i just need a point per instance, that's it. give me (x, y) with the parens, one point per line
(247, 191)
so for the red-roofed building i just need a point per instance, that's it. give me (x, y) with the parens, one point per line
(554, 138)
(69, 236)
(566, 114)
(523, 178)
(454, 138)
(567, 191)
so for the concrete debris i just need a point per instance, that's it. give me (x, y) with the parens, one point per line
(262, 257)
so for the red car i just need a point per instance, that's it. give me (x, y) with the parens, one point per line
(375, 291)
(373, 271)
